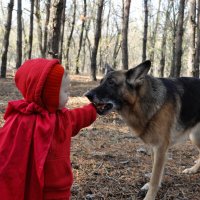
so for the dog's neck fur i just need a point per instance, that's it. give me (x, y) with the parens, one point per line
(149, 98)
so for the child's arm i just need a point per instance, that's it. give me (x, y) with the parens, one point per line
(82, 117)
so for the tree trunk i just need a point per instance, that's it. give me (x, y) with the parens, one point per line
(117, 46)
(96, 39)
(153, 40)
(116, 50)
(192, 30)
(163, 44)
(70, 35)
(144, 48)
(88, 39)
(31, 29)
(84, 53)
(48, 3)
(197, 54)
(19, 34)
(125, 22)
(174, 25)
(39, 27)
(25, 42)
(81, 36)
(179, 40)
(55, 27)
(6, 39)
(62, 32)
(107, 33)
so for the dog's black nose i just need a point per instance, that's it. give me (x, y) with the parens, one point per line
(90, 96)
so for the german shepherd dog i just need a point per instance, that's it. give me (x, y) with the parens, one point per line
(160, 111)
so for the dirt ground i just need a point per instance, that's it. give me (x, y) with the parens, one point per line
(110, 163)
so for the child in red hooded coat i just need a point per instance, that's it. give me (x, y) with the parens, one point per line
(35, 140)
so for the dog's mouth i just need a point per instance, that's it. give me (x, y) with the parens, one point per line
(103, 108)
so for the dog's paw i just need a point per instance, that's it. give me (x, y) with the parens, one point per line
(191, 170)
(145, 187)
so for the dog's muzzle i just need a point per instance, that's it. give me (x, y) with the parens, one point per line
(101, 106)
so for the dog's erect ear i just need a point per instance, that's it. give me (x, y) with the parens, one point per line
(136, 75)
(108, 68)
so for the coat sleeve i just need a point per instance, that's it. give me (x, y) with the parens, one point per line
(82, 117)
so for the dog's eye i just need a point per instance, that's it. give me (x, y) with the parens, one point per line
(111, 82)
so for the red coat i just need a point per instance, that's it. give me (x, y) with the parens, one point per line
(35, 148)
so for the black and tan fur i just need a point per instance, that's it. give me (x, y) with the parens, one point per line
(161, 111)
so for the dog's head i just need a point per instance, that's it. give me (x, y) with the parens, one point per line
(118, 88)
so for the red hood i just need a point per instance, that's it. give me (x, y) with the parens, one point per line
(31, 76)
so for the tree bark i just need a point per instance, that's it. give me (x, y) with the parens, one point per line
(179, 40)
(39, 27)
(6, 40)
(70, 35)
(48, 3)
(108, 35)
(84, 53)
(197, 54)
(125, 23)
(117, 46)
(31, 29)
(81, 36)
(173, 30)
(144, 48)
(163, 44)
(192, 32)
(153, 40)
(88, 39)
(25, 49)
(96, 39)
(19, 34)
(62, 32)
(55, 27)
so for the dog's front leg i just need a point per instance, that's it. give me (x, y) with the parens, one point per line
(159, 157)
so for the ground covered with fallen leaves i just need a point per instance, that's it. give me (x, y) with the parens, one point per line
(109, 162)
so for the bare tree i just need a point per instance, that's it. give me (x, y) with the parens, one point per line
(25, 49)
(31, 29)
(70, 35)
(96, 39)
(173, 30)
(192, 31)
(125, 23)
(19, 34)
(87, 37)
(107, 32)
(55, 27)
(47, 5)
(153, 39)
(62, 32)
(83, 18)
(39, 27)
(117, 45)
(144, 48)
(164, 39)
(6, 39)
(197, 53)
(84, 53)
(175, 72)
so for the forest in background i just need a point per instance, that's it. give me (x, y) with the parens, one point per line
(87, 34)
